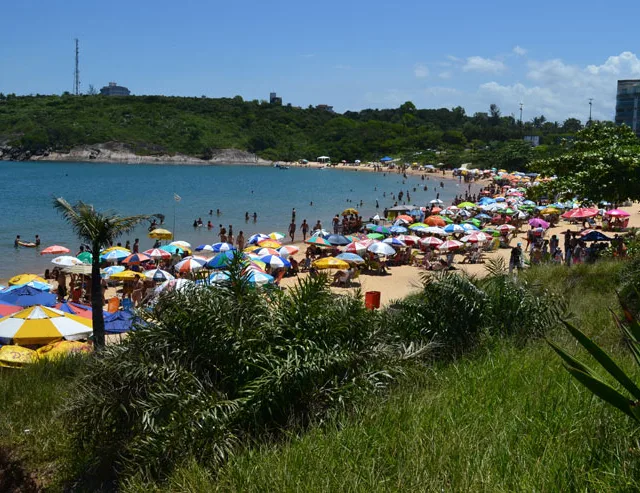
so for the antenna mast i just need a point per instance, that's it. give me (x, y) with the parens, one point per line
(76, 75)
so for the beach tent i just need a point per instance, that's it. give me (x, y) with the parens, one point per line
(324, 159)
(386, 159)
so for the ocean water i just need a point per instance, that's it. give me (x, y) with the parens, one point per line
(27, 190)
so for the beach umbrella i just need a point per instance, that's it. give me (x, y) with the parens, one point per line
(125, 275)
(259, 278)
(8, 308)
(394, 242)
(220, 261)
(66, 261)
(538, 223)
(476, 237)
(431, 241)
(114, 269)
(114, 256)
(435, 221)
(406, 218)
(251, 248)
(158, 275)
(450, 245)
(320, 232)
(467, 205)
(161, 234)
(408, 239)
(204, 248)
(474, 221)
(269, 244)
(398, 229)
(12, 356)
(185, 245)
(275, 235)
(287, 250)
(434, 230)
(381, 230)
(418, 225)
(63, 348)
(436, 201)
(136, 259)
(254, 239)
(175, 250)
(42, 325)
(157, 254)
(74, 309)
(174, 285)
(331, 263)
(617, 213)
(115, 248)
(189, 265)
(28, 296)
(350, 211)
(483, 216)
(352, 258)
(505, 228)
(85, 257)
(469, 227)
(275, 261)
(55, 250)
(119, 322)
(266, 251)
(356, 247)
(318, 241)
(381, 249)
(595, 236)
(454, 228)
(338, 240)
(580, 213)
(436, 210)
(21, 279)
(375, 236)
(549, 210)
(218, 277)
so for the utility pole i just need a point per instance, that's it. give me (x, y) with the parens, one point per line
(590, 104)
(76, 74)
(521, 127)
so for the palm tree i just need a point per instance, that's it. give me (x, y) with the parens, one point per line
(98, 229)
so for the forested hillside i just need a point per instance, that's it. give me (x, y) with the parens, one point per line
(196, 126)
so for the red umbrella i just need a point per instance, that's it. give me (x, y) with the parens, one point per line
(505, 228)
(55, 250)
(157, 254)
(408, 239)
(9, 309)
(450, 245)
(435, 221)
(617, 213)
(580, 213)
(477, 237)
(431, 241)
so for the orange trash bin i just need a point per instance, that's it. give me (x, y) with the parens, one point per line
(372, 299)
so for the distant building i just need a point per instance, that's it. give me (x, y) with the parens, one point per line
(628, 104)
(534, 140)
(325, 107)
(114, 89)
(274, 99)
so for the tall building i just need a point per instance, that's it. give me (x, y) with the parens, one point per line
(114, 89)
(628, 104)
(275, 99)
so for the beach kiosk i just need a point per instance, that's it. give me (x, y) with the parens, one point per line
(324, 159)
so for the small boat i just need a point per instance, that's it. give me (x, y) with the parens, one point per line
(27, 244)
(280, 166)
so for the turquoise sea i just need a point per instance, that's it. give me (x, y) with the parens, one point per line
(27, 190)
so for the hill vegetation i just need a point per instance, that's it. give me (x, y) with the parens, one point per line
(197, 126)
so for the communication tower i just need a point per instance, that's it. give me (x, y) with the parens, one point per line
(76, 74)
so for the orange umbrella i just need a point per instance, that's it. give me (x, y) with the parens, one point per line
(406, 218)
(55, 250)
(436, 210)
(435, 221)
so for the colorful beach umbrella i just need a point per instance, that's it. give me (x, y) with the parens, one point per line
(431, 241)
(55, 250)
(158, 275)
(222, 247)
(114, 256)
(174, 285)
(113, 269)
(275, 261)
(538, 223)
(157, 254)
(83, 311)
(254, 239)
(394, 242)
(185, 245)
(435, 221)
(454, 229)
(24, 279)
(338, 240)
(85, 257)
(220, 261)
(115, 248)
(266, 251)
(476, 237)
(275, 235)
(27, 296)
(450, 245)
(617, 213)
(352, 258)
(42, 325)
(318, 241)
(136, 259)
(189, 265)
(408, 239)
(287, 250)
(126, 275)
(174, 249)
(381, 249)
(269, 244)
(205, 248)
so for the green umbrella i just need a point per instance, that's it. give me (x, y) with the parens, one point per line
(447, 219)
(475, 222)
(375, 236)
(85, 257)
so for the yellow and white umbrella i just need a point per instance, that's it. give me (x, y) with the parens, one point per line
(41, 325)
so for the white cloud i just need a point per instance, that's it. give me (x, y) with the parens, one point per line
(421, 70)
(519, 50)
(480, 64)
(445, 75)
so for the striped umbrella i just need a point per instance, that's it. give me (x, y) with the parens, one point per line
(220, 261)
(254, 239)
(136, 259)
(276, 236)
(431, 241)
(394, 242)
(275, 261)
(114, 256)
(174, 249)
(269, 244)
(505, 228)
(222, 247)
(469, 227)
(266, 251)
(114, 269)
(204, 248)
(115, 248)
(39, 325)
(158, 275)
(287, 250)
(318, 241)
(408, 239)
(182, 244)
(454, 228)
(450, 245)
(476, 237)
(157, 254)
(189, 265)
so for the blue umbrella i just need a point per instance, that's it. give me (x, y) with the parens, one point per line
(275, 261)
(454, 228)
(222, 247)
(257, 238)
(119, 322)
(115, 256)
(595, 236)
(204, 248)
(114, 269)
(28, 296)
(220, 261)
(483, 216)
(172, 249)
(351, 257)
(338, 240)
(398, 229)
(469, 227)
(386, 159)
(40, 286)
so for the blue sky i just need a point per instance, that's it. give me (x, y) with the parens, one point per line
(551, 56)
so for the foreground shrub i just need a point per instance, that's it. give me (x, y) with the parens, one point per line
(216, 366)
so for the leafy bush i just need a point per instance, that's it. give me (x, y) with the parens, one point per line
(215, 366)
